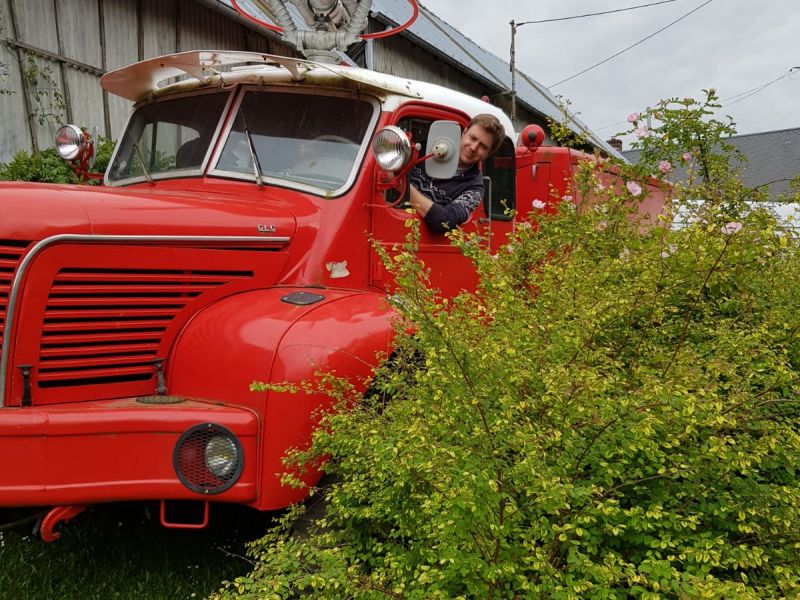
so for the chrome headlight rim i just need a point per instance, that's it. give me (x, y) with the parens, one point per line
(392, 149)
(69, 140)
(208, 483)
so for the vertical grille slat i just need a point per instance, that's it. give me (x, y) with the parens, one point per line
(104, 326)
(11, 252)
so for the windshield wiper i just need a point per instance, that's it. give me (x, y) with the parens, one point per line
(141, 160)
(251, 146)
(253, 157)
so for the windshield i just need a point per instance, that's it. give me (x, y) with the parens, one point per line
(300, 140)
(168, 138)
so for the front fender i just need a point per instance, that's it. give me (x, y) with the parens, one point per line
(256, 336)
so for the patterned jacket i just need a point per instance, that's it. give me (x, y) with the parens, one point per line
(453, 199)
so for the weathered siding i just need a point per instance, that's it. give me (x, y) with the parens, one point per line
(73, 42)
(400, 56)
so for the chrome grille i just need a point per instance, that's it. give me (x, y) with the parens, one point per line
(105, 325)
(10, 255)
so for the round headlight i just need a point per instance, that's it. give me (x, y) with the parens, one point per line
(221, 455)
(208, 458)
(69, 142)
(392, 148)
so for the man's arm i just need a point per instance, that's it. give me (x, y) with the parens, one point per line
(419, 202)
(442, 218)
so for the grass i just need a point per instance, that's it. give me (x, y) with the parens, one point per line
(122, 551)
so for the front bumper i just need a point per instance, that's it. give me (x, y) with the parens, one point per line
(113, 450)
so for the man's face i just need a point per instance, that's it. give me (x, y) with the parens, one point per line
(476, 143)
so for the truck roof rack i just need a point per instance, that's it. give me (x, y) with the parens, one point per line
(141, 79)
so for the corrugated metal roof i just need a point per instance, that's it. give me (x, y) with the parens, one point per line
(456, 48)
(773, 159)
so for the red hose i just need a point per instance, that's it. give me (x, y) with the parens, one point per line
(404, 26)
(251, 18)
(366, 36)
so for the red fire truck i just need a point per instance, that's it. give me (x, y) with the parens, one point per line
(231, 242)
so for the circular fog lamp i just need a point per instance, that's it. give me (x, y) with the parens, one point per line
(208, 458)
(69, 142)
(392, 148)
(221, 455)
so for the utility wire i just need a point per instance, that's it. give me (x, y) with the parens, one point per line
(611, 125)
(741, 95)
(605, 12)
(631, 46)
(745, 95)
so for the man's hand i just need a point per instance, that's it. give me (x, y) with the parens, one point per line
(419, 202)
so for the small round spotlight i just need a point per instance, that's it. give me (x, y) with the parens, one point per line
(69, 142)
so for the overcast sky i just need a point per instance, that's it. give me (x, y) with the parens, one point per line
(730, 45)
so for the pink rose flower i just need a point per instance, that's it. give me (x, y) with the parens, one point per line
(731, 228)
(669, 251)
(687, 156)
(642, 132)
(538, 204)
(633, 117)
(664, 166)
(634, 188)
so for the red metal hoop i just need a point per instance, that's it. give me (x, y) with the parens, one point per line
(251, 18)
(367, 36)
(398, 29)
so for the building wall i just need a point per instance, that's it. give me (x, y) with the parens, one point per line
(397, 55)
(53, 52)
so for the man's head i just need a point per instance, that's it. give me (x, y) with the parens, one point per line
(482, 137)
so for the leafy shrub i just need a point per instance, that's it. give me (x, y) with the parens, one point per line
(48, 167)
(612, 414)
(43, 165)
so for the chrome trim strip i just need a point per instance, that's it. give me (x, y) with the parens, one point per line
(94, 239)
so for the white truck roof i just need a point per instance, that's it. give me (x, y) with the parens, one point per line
(200, 69)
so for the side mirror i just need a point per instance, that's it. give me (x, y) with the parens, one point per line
(444, 141)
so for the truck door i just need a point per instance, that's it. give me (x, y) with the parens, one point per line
(451, 272)
(500, 195)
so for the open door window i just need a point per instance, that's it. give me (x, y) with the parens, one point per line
(499, 198)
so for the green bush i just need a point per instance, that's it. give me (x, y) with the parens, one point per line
(612, 414)
(48, 167)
